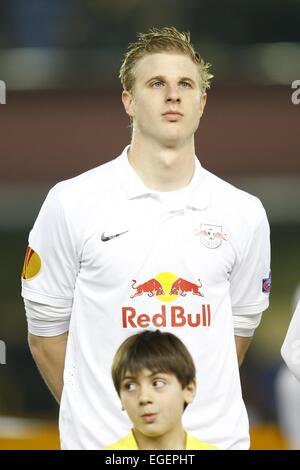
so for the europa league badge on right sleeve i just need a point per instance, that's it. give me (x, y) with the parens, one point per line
(32, 264)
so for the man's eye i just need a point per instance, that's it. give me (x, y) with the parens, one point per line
(185, 84)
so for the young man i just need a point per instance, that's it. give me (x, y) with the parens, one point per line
(150, 239)
(154, 376)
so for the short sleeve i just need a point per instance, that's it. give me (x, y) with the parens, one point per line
(250, 279)
(290, 350)
(51, 263)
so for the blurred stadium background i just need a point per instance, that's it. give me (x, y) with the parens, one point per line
(59, 60)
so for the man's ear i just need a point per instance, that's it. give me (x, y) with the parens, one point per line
(128, 102)
(203, 100)
(190, 392)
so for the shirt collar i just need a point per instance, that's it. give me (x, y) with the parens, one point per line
(132, 444)
(198, 194)
(132, 441)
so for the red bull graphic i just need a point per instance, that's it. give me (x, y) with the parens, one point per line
(211, 236)
(182, 287)
(151, 288)
(167, 287)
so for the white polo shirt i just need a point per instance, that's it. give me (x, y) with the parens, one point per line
(126, 258)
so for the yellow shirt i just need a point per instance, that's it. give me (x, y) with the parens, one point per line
(129, 443)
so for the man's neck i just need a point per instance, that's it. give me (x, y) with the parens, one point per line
(173, 440)
(162, 168)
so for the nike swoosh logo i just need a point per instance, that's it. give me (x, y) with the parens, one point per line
(104, 238)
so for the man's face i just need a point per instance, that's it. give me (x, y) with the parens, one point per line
(165, 83)
(154, 401)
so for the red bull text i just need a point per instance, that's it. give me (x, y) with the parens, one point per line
(174, 316)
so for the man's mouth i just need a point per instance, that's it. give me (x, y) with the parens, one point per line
(172, 113)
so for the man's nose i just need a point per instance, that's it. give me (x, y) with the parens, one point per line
(172, 93)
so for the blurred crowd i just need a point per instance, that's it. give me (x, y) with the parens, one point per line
(96, 23)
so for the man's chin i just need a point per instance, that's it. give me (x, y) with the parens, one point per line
(172, 140)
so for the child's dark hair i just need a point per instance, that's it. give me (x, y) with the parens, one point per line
(155, 351)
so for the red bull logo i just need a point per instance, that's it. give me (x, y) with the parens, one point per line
(182, 287)
(154, 288)
(151, 288)
(211, 236)
(175, 316)
(166, 287)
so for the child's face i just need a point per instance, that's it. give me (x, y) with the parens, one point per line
(154, 401)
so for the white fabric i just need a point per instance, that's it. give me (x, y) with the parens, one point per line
(290, 349)
(245, 325)
(46, 320)
(206, 273)
(287, 393)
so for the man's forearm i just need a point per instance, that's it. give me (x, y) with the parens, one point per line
(242, 343)
(49, 355)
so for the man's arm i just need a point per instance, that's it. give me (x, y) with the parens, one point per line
(49, 355)
(242, 343)
(244, 328)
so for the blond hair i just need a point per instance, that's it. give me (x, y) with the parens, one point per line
(161, 40)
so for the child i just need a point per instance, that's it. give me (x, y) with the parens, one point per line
(154, 376)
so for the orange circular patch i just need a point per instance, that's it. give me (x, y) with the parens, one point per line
(32, 264)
